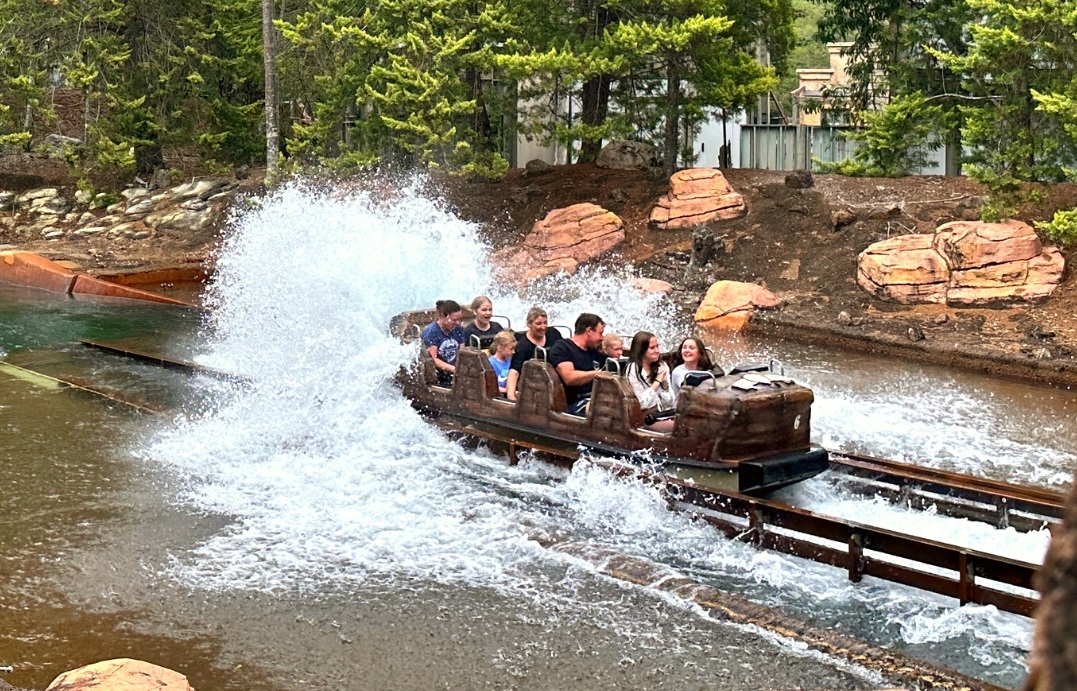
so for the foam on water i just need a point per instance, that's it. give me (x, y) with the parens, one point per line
(330, 478)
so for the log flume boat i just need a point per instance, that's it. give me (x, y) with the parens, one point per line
(751, 426)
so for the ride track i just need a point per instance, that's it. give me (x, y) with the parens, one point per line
(968, 575)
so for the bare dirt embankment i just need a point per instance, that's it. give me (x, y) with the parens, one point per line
(823, 227)
(786, 225)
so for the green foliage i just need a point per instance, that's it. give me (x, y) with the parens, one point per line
(895, 140)
(1062, 229)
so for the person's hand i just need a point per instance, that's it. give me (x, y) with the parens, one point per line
(661, 376)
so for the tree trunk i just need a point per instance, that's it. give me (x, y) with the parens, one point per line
(269, 55)
(596, 101)
(596, 91)
(673, 120)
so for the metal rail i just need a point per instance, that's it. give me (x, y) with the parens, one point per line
(962, 573)
(863, 550)
(160, 360)
(961, 496)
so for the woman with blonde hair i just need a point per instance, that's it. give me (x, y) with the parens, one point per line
(537, 335)
(481, 326)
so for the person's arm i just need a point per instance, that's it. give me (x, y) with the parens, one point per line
(574, 377)
(438, 362)
(510, 385)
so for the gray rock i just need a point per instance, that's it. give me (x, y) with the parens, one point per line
(141, 235)
(52, 233)
(1041, 354)
(619, 195)
(844, 318)
(915, 333)
(133, 193)
(7, 200)
(60, 141)
(625, 155)
(194, 205)
(243, 172)
(71, 217)
(941, 319)
(537, 166)
(162, 179)
(92, 230)
(41, 193)
(117, 208)
(123, 230)
(82, 197)
(140, 208)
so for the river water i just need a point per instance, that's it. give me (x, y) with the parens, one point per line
(304, 528)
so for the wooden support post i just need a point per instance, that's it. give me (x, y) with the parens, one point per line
(514, 454)
(1002, 504)
(966, 572)
(856, 556)
(756, 524)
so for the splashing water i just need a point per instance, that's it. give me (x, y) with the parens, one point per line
(331, 479)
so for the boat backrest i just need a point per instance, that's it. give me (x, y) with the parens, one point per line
(614, 407)
(540, 391)
(565, 331)
(697, 377)
(751, 367)
(429, 370)
(475, 379)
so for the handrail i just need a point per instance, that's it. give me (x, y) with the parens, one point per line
(784, 528)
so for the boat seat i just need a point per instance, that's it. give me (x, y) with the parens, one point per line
(697, 377)
(616, 365)
(480, 342)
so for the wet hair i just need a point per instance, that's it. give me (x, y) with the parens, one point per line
(641, 343)
(500, 339)
(609, 338)
(704, 356)
(477, 302)
(447, 307)
(534, 313)
(587, 321)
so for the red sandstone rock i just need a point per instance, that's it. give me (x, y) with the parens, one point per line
(697, 195)
(963, 263)
(905, 269)
(88, 285)
(562, 241)
(652, 285)
(122, 674)
(969, 244)
(728, 305)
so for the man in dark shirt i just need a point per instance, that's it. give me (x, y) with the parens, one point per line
(578, 361)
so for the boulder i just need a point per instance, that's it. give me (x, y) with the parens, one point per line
(970, 244)
(623, 155)
(906, 269)
(963, 263)
(562, 241)
(537, 166)
(697, 195)
(652, 285)
(728, 305)
(122, 674)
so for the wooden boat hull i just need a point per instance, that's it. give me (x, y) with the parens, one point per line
(754, 438)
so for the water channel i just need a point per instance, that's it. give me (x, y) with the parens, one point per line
(304, 528)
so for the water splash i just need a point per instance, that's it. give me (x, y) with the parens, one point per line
(331, 480)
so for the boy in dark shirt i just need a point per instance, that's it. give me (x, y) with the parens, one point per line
(578, 361)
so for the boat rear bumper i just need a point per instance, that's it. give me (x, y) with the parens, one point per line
(773, 473)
